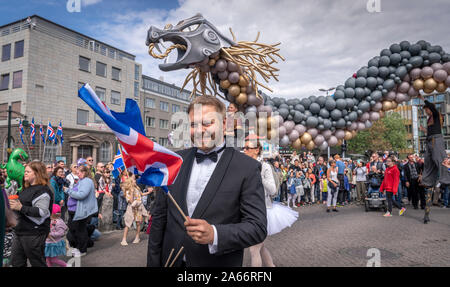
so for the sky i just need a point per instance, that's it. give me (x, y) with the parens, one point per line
(323, 41)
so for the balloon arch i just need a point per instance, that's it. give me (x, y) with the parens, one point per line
(218, 63)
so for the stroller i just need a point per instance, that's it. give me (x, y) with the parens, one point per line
(374, 198)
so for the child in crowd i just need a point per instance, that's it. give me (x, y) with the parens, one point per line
(307, 188)
(292, 193)
(299, 186)
(55, 245)
(324, 188)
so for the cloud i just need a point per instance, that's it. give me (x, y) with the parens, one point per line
(324, 42)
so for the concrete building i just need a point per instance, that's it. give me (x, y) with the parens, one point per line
(414, 116)
(159, 101)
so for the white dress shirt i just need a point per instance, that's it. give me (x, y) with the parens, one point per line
(200, 175)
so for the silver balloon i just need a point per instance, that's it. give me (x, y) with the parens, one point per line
(327, 134)
(313, 132)
(281, 131)
(332, 141)
(353, 126)
(374, 116)
(364, 117)
(319, 139)
(284, 141)
(403, 87)
(293, 135)
(300, 129)
(323, 146)
(368, 124)
(391, 96)
(339, 134)
(378, 106)
(289, 125)
(400, 98)
(361, 126)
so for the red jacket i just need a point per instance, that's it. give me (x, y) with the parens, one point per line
(391, 180)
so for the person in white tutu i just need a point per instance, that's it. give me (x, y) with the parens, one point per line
(278, 216)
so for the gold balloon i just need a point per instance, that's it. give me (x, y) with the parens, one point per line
(225, 84)
(354, 134)
(297, 144)
(212, 62)
(394, 105)
(381, 114)
(441, 87)
(243, 81)
(387, 105)
(428, 91)
(241, 99)
(272, 134)
(234, 90)
(310, 145)
(272, 123)
(430, 84)
(243, 90)
(306, 138)
(339, 142)
(348, 135)
(418, 84)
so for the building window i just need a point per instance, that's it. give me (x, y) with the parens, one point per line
(150, 122)
(115, 98)
(175, 108)
(3, 111)
(16, 106)
(164, 124)
(103, 50)
(150, 103)
(4, 82)
(174, 126)
(101, 69)
(112, 53)
(6, 52)
(85, 151)
(163, 141)
(50, 152)
(85, 64)
(136, 72)
(101, 93)
(115, 74)
(164, 106)
(105, 152)
(18, 49)
(136, 89)
(82, 117)
(17, 80)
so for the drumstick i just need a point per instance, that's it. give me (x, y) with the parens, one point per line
(176, 257)
(170, 255)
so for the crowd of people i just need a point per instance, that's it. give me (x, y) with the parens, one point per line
(59, 211)
(306, 179)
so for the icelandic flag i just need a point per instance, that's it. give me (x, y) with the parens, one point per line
(41, 132)
(59, 132)
(50, 132)
(21, 131)
(156, 165)
(118, 165)
(32, 132)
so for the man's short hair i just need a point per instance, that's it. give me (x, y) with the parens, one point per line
(210, 101)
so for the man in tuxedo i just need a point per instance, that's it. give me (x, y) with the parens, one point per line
(221, 192)
(412, 171)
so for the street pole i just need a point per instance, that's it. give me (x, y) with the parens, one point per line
(9, 130)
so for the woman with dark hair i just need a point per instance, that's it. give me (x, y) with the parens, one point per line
(81, 204)
(34, 207)
(435, 154)
(58, 181)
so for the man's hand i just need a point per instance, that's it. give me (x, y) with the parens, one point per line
(199, 230)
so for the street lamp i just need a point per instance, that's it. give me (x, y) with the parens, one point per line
(327, 91)
(24, 123)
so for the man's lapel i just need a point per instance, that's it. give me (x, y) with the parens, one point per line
(214, 182)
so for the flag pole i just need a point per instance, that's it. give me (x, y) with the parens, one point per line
(168, 193)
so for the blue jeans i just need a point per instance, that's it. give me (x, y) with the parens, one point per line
(373, 190)
(445, 196)
(120, 214)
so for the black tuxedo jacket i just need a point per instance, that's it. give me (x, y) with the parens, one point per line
(407, 170)
(233, 201)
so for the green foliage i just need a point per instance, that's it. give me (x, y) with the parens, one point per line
(389, 133)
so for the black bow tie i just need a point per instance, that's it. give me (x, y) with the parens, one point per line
(200, 157)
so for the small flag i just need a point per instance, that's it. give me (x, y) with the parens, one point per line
(118, 165)
(59, 133)
(41, 132)
(21, 131)
(50, 132)
(32, 132)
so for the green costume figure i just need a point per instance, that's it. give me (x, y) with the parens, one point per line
(15, 169)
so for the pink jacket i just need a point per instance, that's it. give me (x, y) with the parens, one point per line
(57, 231)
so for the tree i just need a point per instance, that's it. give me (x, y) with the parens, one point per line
(389, 133)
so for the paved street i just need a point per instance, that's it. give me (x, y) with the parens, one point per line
(325, 239)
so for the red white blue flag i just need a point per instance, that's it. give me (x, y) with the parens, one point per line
(156, 165)
(32, 132)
